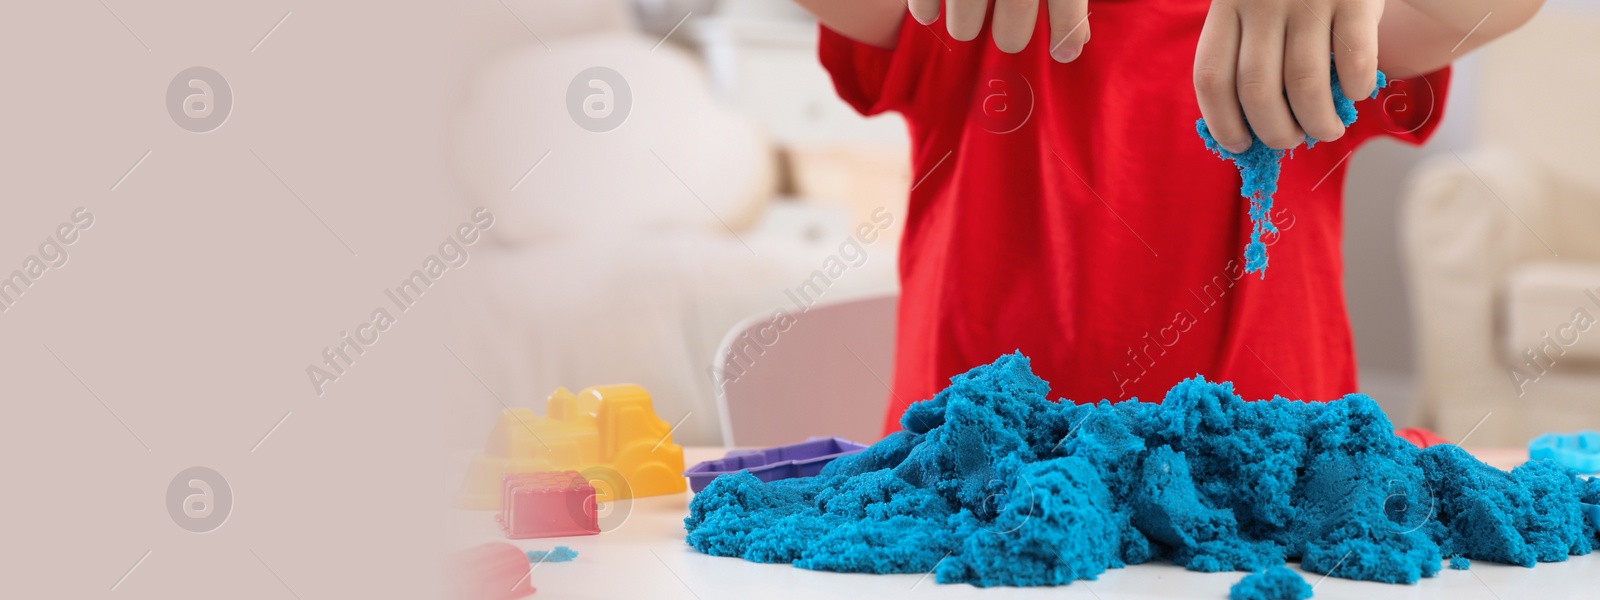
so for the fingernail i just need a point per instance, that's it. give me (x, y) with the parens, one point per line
(1065, 53)
(1236, 148)
(923, 20)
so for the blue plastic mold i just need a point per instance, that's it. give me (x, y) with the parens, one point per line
(1578, 451)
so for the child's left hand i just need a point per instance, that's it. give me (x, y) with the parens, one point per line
(1266, 62)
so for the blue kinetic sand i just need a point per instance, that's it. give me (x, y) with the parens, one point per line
(1591, 502)
(1258, 171)
(560, 554)
(1460, 563)
(1275, 583)
(1578, 451)
(990, 483)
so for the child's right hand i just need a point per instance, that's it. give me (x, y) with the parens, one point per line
(1262, 66)
(1012, 23)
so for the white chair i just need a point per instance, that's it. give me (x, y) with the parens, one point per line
(826, 374)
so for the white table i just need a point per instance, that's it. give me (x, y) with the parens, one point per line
(646, 557)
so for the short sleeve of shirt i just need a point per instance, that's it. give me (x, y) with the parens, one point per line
(871, 79)
(1408, 110)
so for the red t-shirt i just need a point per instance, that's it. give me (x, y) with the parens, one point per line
(1069, 211)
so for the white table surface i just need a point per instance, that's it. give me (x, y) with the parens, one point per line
(646, 557)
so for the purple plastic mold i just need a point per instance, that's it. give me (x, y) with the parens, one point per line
(804, 459)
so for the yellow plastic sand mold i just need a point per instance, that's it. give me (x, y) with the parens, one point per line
(610, 434)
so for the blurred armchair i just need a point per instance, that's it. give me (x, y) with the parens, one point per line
(1502, 244)
(624, 253)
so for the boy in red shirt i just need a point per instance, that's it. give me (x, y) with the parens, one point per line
(1064, 206)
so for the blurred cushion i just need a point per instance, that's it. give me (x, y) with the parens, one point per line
(678, 158)
(1552, 309)
(861, 177)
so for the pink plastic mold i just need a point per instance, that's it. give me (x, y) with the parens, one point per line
(547, 504)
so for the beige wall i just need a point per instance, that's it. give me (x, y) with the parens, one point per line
(218, 265)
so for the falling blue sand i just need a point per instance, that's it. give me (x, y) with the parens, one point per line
(1258, 171)
(560, 554)
(990, 483)
(1275, 583)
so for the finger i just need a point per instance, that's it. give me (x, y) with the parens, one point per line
(1306, 76)
(964, 18)
(1013, 24)
(1260, 77)
(1069, 28)
(924, 11)
(1355, 48)
(1215, 61)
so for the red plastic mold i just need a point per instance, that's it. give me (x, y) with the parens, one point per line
(493, 571)
(547, 504)
(1420, 437)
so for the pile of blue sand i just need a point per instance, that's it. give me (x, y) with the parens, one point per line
(560, 554)
(1276, 583)
(1258, 171)
(990, 483)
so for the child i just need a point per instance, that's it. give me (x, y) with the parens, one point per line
(1063, 206)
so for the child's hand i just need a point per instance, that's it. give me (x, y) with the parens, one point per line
(1271, 58)
(1012, 24)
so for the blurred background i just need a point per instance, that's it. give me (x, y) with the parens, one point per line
(219, 206)
(745, 171)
